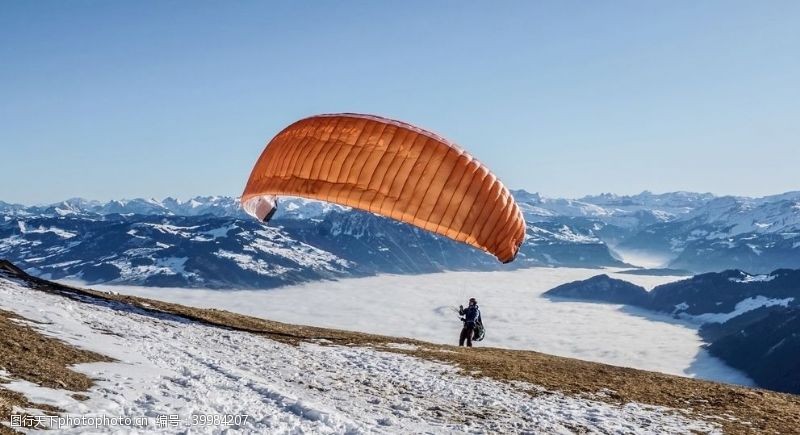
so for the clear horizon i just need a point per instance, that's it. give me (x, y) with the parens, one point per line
(187, 198)
(155, 99)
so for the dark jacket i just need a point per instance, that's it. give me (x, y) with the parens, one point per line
(472, 315)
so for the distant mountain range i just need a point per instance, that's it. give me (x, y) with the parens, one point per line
(750, 321)
(210, 242)
(690, 231)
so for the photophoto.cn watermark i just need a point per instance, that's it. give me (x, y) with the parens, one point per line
(160, 422)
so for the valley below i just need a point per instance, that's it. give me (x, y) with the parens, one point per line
(516, 316)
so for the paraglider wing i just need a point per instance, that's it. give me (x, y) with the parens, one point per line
(389, 168)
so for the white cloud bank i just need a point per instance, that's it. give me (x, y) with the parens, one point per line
(421, 306)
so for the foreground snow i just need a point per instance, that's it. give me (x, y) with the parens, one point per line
(168, 365)
(421, 306)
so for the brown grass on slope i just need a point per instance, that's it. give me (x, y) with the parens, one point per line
(28, 355)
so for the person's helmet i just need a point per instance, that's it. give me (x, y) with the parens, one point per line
(473, 301)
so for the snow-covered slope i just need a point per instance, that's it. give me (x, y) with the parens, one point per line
(166, 364)
(187, 251)
(516, 315)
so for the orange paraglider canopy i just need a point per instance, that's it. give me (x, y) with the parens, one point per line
(392, 169)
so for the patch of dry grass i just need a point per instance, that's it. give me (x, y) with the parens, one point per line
(28, 355)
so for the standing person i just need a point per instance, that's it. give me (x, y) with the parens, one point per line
(472, 317)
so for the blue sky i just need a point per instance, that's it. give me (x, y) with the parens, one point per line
(112, 99)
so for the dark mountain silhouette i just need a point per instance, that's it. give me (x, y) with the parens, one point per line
(752, 322)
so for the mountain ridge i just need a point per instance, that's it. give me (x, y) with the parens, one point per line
(692, 231)
(749, 321)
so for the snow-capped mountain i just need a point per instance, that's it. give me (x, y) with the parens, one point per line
(675, 203)
(753, 234)
(692, 231)
(167, 244)
(628, 217)
(210, 242)
(224, 206)
(632, 212)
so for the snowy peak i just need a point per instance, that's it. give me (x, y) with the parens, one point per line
(771, 214)
(629, 212)
(133, 206)
(623, 210)
(690, 231)
(670, 200)
(222, 206)
(309, 241)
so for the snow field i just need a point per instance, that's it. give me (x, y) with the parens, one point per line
(167, 365)
(516, 316)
